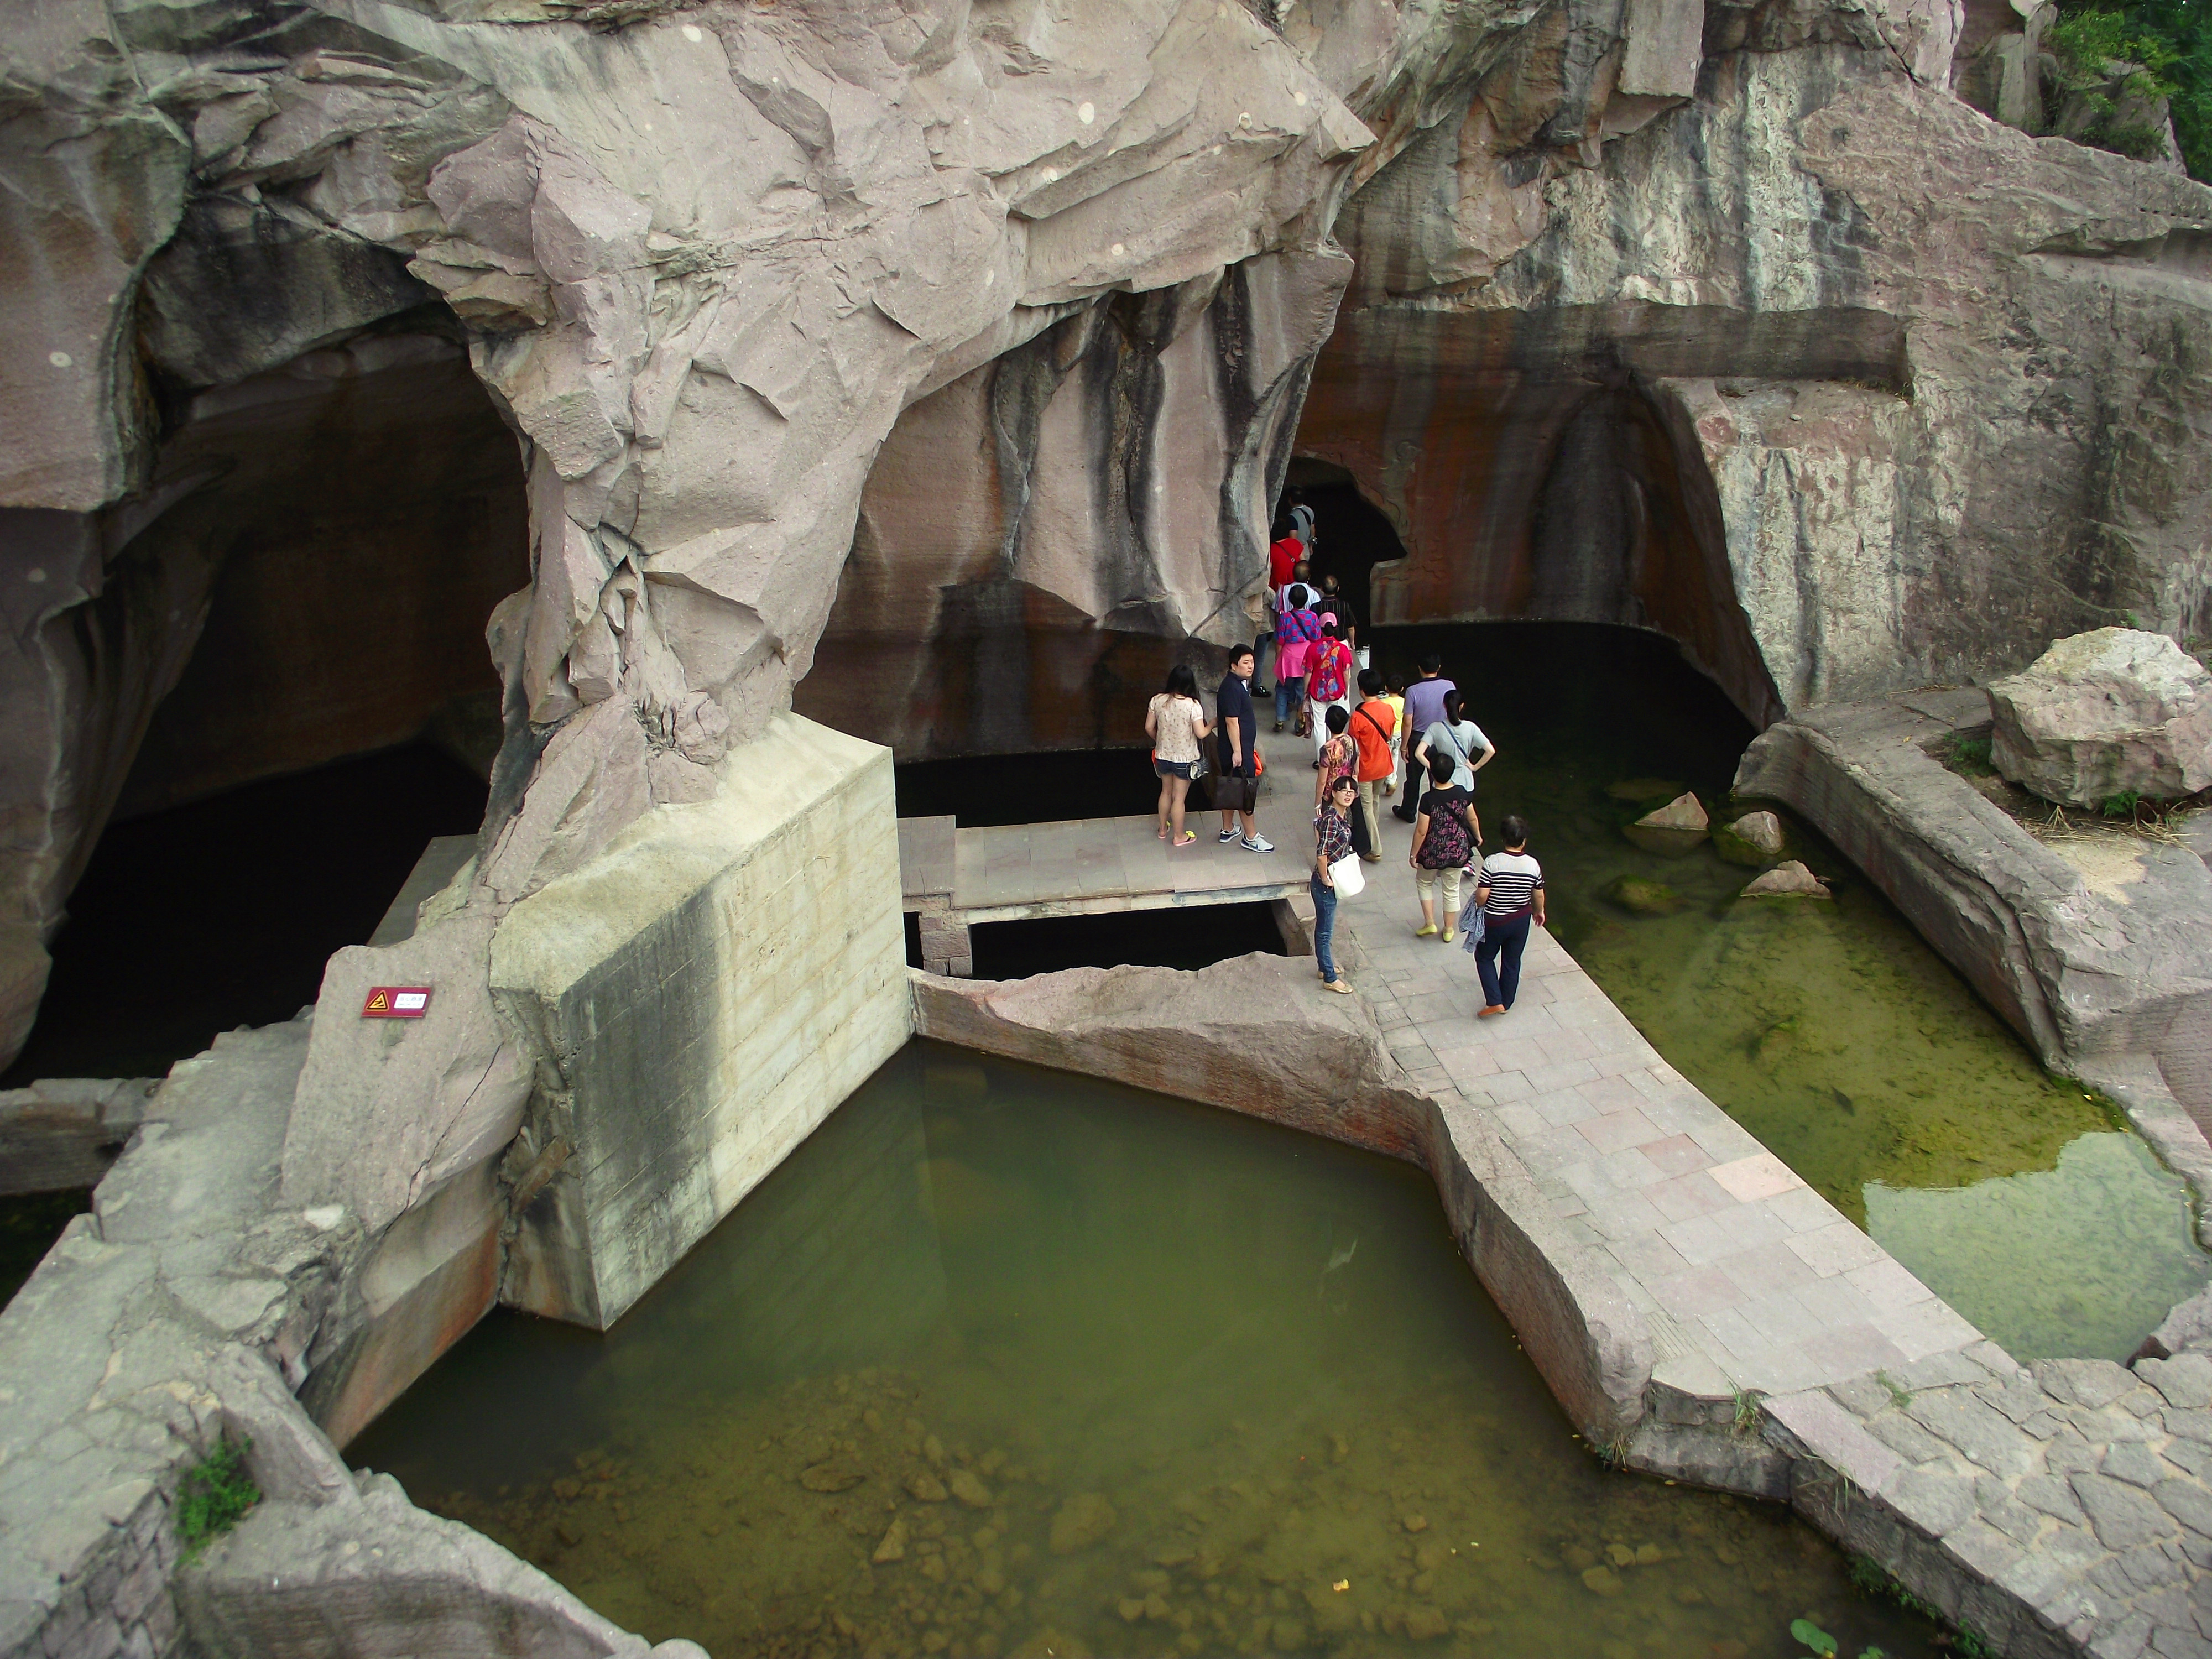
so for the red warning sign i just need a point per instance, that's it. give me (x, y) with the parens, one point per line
(397, 1002)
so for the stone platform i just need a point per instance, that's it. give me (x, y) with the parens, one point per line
(955, 877)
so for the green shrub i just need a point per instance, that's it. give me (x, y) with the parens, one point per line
(2172, 40)
(2123, 804)
(215, 1495)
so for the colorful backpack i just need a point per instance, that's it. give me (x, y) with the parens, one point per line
(1328, 671)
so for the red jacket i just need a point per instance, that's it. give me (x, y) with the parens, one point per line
(1281, 557)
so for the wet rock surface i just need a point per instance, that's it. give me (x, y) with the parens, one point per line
(1756, 838)
(1675, 830)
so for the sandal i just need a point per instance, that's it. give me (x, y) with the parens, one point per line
(1188, 836)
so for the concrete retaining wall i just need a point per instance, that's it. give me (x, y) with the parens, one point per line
(699, 998)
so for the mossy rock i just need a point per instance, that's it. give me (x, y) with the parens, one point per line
(1734, 849)
(1767, 842)
(1644, 898)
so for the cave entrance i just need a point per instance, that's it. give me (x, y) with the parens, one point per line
(1352, 535)
(344, 524)
(1550, 478)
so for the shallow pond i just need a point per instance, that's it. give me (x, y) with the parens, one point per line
(1004, 1361)
(1830, 1030)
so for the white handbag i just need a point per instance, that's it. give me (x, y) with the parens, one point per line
(1347, 876)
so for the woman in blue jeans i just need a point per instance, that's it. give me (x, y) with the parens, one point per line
(1332, 841)
(1510, 891)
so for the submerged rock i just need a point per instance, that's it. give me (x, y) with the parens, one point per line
(1425, 1624)
(1683, 813)
(968, 1490)
(1674, 830)
(1754, 839)
(893, 1547)
(2116, 711)
(1644, 898)
(926, 1486)
(1788, 880)
(1083, 1520)
(831, 1476)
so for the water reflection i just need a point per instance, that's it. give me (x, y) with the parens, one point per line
(1007, 1362)
(2110, 1212)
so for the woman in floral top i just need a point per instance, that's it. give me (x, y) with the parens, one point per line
(1331, 842)
(1338, 757)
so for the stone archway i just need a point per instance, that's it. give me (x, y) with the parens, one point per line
(1563, 487)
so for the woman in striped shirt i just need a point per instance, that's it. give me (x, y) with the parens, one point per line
(1510, 892)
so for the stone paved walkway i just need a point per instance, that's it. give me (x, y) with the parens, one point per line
(1748, 1278)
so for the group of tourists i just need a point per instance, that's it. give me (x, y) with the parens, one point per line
(1434, 771)
(1414, 740)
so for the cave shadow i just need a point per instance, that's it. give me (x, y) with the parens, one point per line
(312, 596)
(1352, 535)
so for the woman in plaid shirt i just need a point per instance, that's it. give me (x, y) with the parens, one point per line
(1332, 841)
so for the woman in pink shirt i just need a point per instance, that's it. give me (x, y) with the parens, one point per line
(1295, 635)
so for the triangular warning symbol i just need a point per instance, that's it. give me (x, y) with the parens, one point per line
(378, 1001)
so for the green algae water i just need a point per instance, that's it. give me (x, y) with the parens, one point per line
(1005, 1362)
(1828, 1029)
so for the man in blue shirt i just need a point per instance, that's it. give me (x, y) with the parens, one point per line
(1237, 746)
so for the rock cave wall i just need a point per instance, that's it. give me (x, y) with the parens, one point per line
(1039, 540)
(1845, 385)
(364, 514)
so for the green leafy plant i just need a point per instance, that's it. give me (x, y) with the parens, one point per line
(2123, 804)
(2171, 40)
(1808, 1634)
(215, 1495)
(1871, 1578)
(1899, 1396)
(1972, 754)
(2089, 47)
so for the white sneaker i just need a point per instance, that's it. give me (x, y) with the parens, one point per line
(1227, 836)
(1258, 844)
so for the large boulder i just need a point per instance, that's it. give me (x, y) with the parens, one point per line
(1253, 1034)
(2112, 712)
